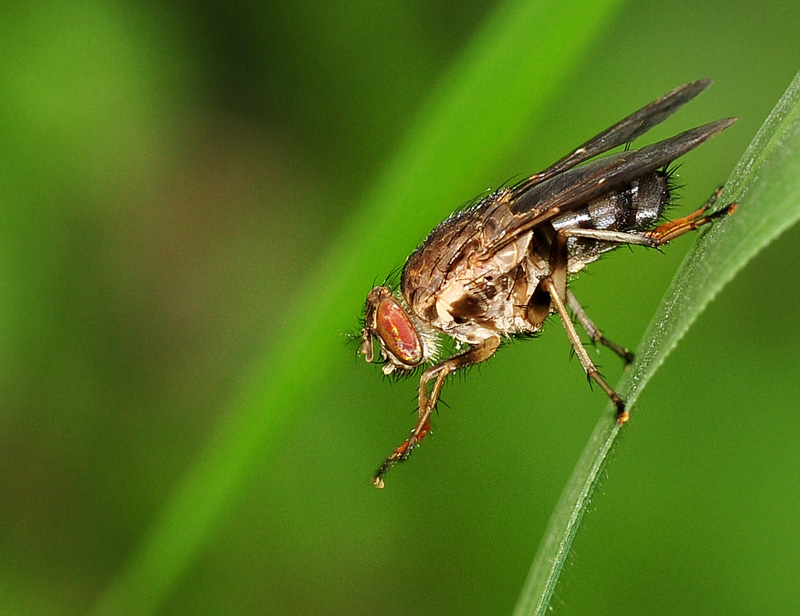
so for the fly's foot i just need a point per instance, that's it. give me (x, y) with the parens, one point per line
(398, 455)
(401, 454)
(622, 413)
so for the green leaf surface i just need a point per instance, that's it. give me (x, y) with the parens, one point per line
(766, 185)
(499, 87)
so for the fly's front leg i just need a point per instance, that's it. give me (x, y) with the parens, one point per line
(427, 401)
(594, 332)
(580, 351)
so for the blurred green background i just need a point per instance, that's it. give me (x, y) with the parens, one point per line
(172, 178)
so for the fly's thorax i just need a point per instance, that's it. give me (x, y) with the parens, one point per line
(450, 248)
(486, 298)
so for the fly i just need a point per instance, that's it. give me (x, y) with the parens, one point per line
(499, 268)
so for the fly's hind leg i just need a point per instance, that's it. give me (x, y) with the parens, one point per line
(675, 228)
(594, 332)
(553, 287)
(580, 351)
(427, 401)
(663, 233)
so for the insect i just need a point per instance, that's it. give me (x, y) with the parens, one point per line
(499, 268)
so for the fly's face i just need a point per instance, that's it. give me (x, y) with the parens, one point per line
(402, 344)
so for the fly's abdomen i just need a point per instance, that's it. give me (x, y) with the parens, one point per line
(633, 208)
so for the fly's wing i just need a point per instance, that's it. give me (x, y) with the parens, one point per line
(573, 189)
(582, 184)
(622, 132)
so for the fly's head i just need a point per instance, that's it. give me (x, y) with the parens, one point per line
(402, 344)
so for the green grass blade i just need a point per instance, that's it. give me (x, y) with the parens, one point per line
(766, 184)
(494, 93)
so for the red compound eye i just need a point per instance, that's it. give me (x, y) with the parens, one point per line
(398, 333)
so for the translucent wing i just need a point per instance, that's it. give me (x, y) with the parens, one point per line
(581, 184)
(623, 131)
(533, 204)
